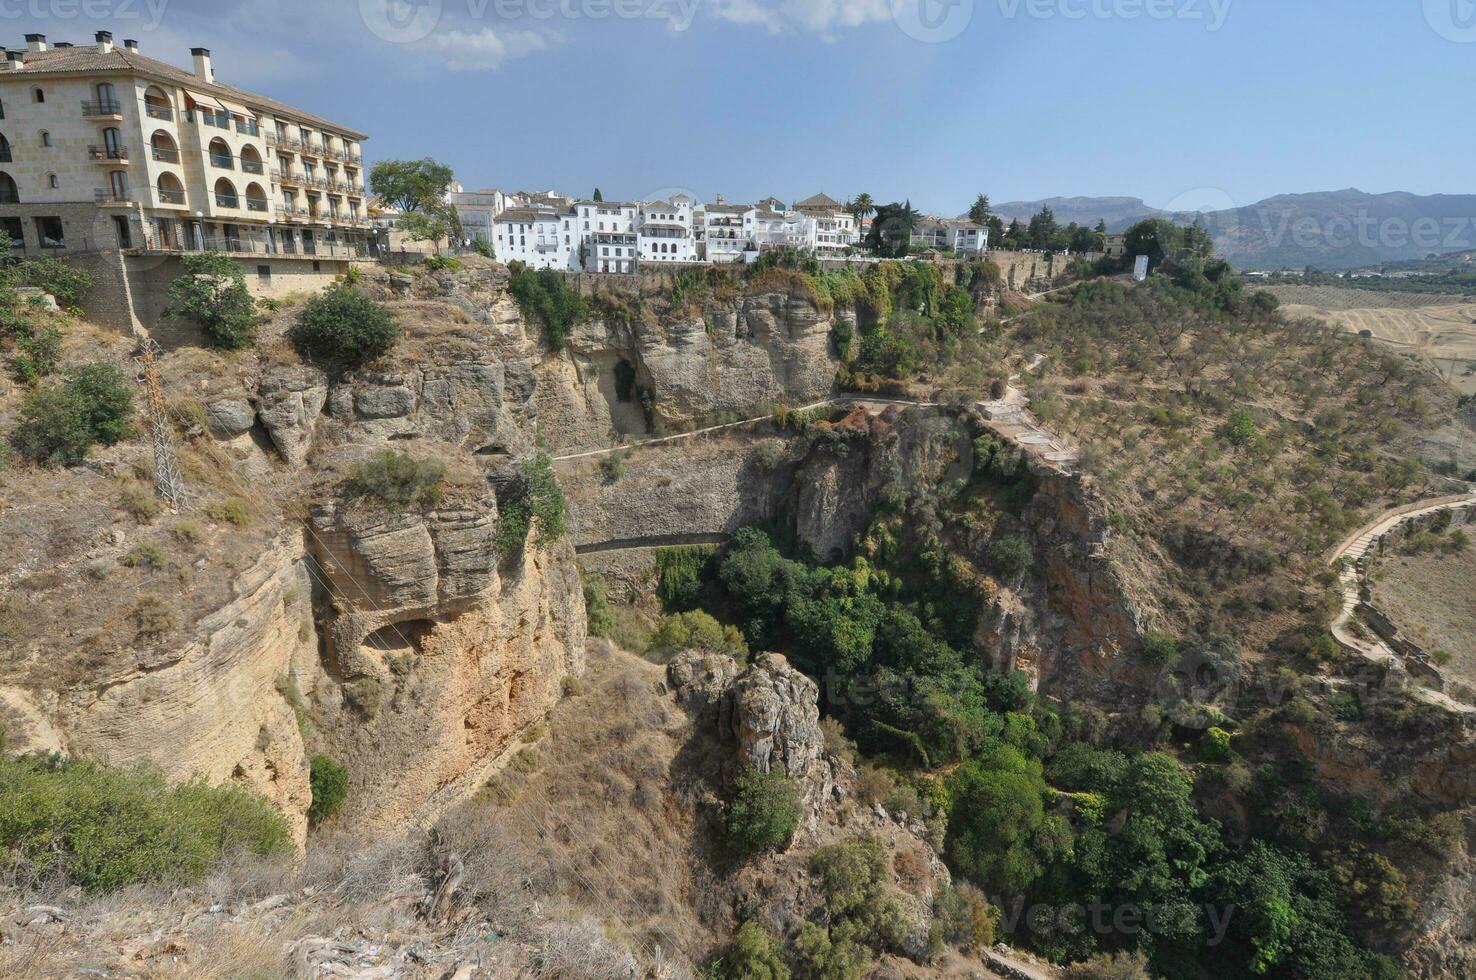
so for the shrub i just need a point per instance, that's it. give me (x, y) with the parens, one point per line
(230, 511)
(1110, 966)
(103, 828)
(546, 297)
(764, 811)
(754, 955)
(60, 424)
(534, 495)
(400, 479)
(681, 571)
(64, 281)
(143, 556)
(1011, 555)
(695, 630)
(343, 328)
(483, 248)
(1215, 747)
(1159, 651)
(212, 292)
(821, 958)
(597, 607)
(613, 466)
(36, 354)
(329, 783)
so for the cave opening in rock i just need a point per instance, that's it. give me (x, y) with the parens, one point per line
(406, 637)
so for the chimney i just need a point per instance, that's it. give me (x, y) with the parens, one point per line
(104, 41)
(35, 42)
(62, 44)
(203, 70)
(13, 61)
(131, 45)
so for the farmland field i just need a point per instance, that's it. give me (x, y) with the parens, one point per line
(1441, 328)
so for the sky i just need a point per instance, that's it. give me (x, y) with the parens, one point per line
(1188, 104)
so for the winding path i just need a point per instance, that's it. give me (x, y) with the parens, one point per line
(1352, 550)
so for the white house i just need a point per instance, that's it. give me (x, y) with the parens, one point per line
(666, 233)
(728, 231)
(540, 238)
(835, 227)
(968, 237)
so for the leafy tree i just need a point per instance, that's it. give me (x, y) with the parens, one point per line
(763, 811)
(891, 230)
(680, 570)
(1011, 554)
(546, 297)
(597, 606)
(998, 830)
(1043, 229)
(1015, 237)
(59, 424)
(329, 782)
(979, 211)
(531, 499)
(212, 292)
(67, 283)
(344, 328)
(435, 222)
(696, 630)
(598, 197)
(411, 185)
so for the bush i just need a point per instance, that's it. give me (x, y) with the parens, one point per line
(230, 511)
(821, 958)
(329, 783)
(764, 811)
(754, 955)
(696, 630)
(597, 607)
(400, 479)
(62, 280)
(103, 828)
(36, 354)
(534, 495)
(545, 296)
(60, 424)
(344, 329)
(681, 571)
(1215, 747)
(212, 292)
(1011, 555)
(1159, 651)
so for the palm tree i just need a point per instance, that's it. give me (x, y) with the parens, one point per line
(863, 207)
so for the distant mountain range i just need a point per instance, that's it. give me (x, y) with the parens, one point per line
(1346, 229)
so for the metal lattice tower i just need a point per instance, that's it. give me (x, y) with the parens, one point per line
(168, 482)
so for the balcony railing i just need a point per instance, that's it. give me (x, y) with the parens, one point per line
(246, 246)
(159, 111)
(106, 195)
(224, 163)
(286, 177)
(252, 166)
(258, 204)
(5, 155)
(170, 197)
(165, 155)
(249, 128)
(101, 107)
(227, 201)
(107, 152)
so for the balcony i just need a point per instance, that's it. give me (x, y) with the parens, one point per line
(290, 210)
(252, 166)
(227, 201)
(102, 107)
(106, 196)
(174, 198)
(163, 112)
(312, 149)
(165, 155)
(107, 153)
(286, 177)
(248, 128)
(5, 155)
(258, 204)
(222, 162)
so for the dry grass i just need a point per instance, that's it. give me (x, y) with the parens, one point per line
(1431, 597)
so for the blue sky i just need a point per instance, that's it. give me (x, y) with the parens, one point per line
(1194, 103)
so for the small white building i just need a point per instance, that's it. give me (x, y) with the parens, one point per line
(835, 228)
(968, 238)
(728, 231)
(666, 233)
(540, 238)
(477, 210)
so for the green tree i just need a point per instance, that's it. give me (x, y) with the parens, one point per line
(546, 297)
(330, 785)
(411, 185)
(531, 500)
(891, 230)
(67, 283)
(863, 207)
(212, 292)
(998, 823)
(59, 424)
(435, 222)
(1043, 229)
(979, 211)
(763, 811)
(343, 328)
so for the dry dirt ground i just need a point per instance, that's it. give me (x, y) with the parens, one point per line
(1441, 328)
(1432, 598)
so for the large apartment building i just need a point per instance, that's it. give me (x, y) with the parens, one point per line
(105, 148)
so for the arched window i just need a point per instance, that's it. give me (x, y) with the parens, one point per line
(251, 160)
(9, 194)
(256, 198)
(220, 155)
(4, 149)
(163, 147)
(45, 138)
(52, 181)
(39, 95)
(171, 191)
(225, 194)
(157, 104)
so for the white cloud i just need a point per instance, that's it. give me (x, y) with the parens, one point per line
(483, 49)
(823, 17)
